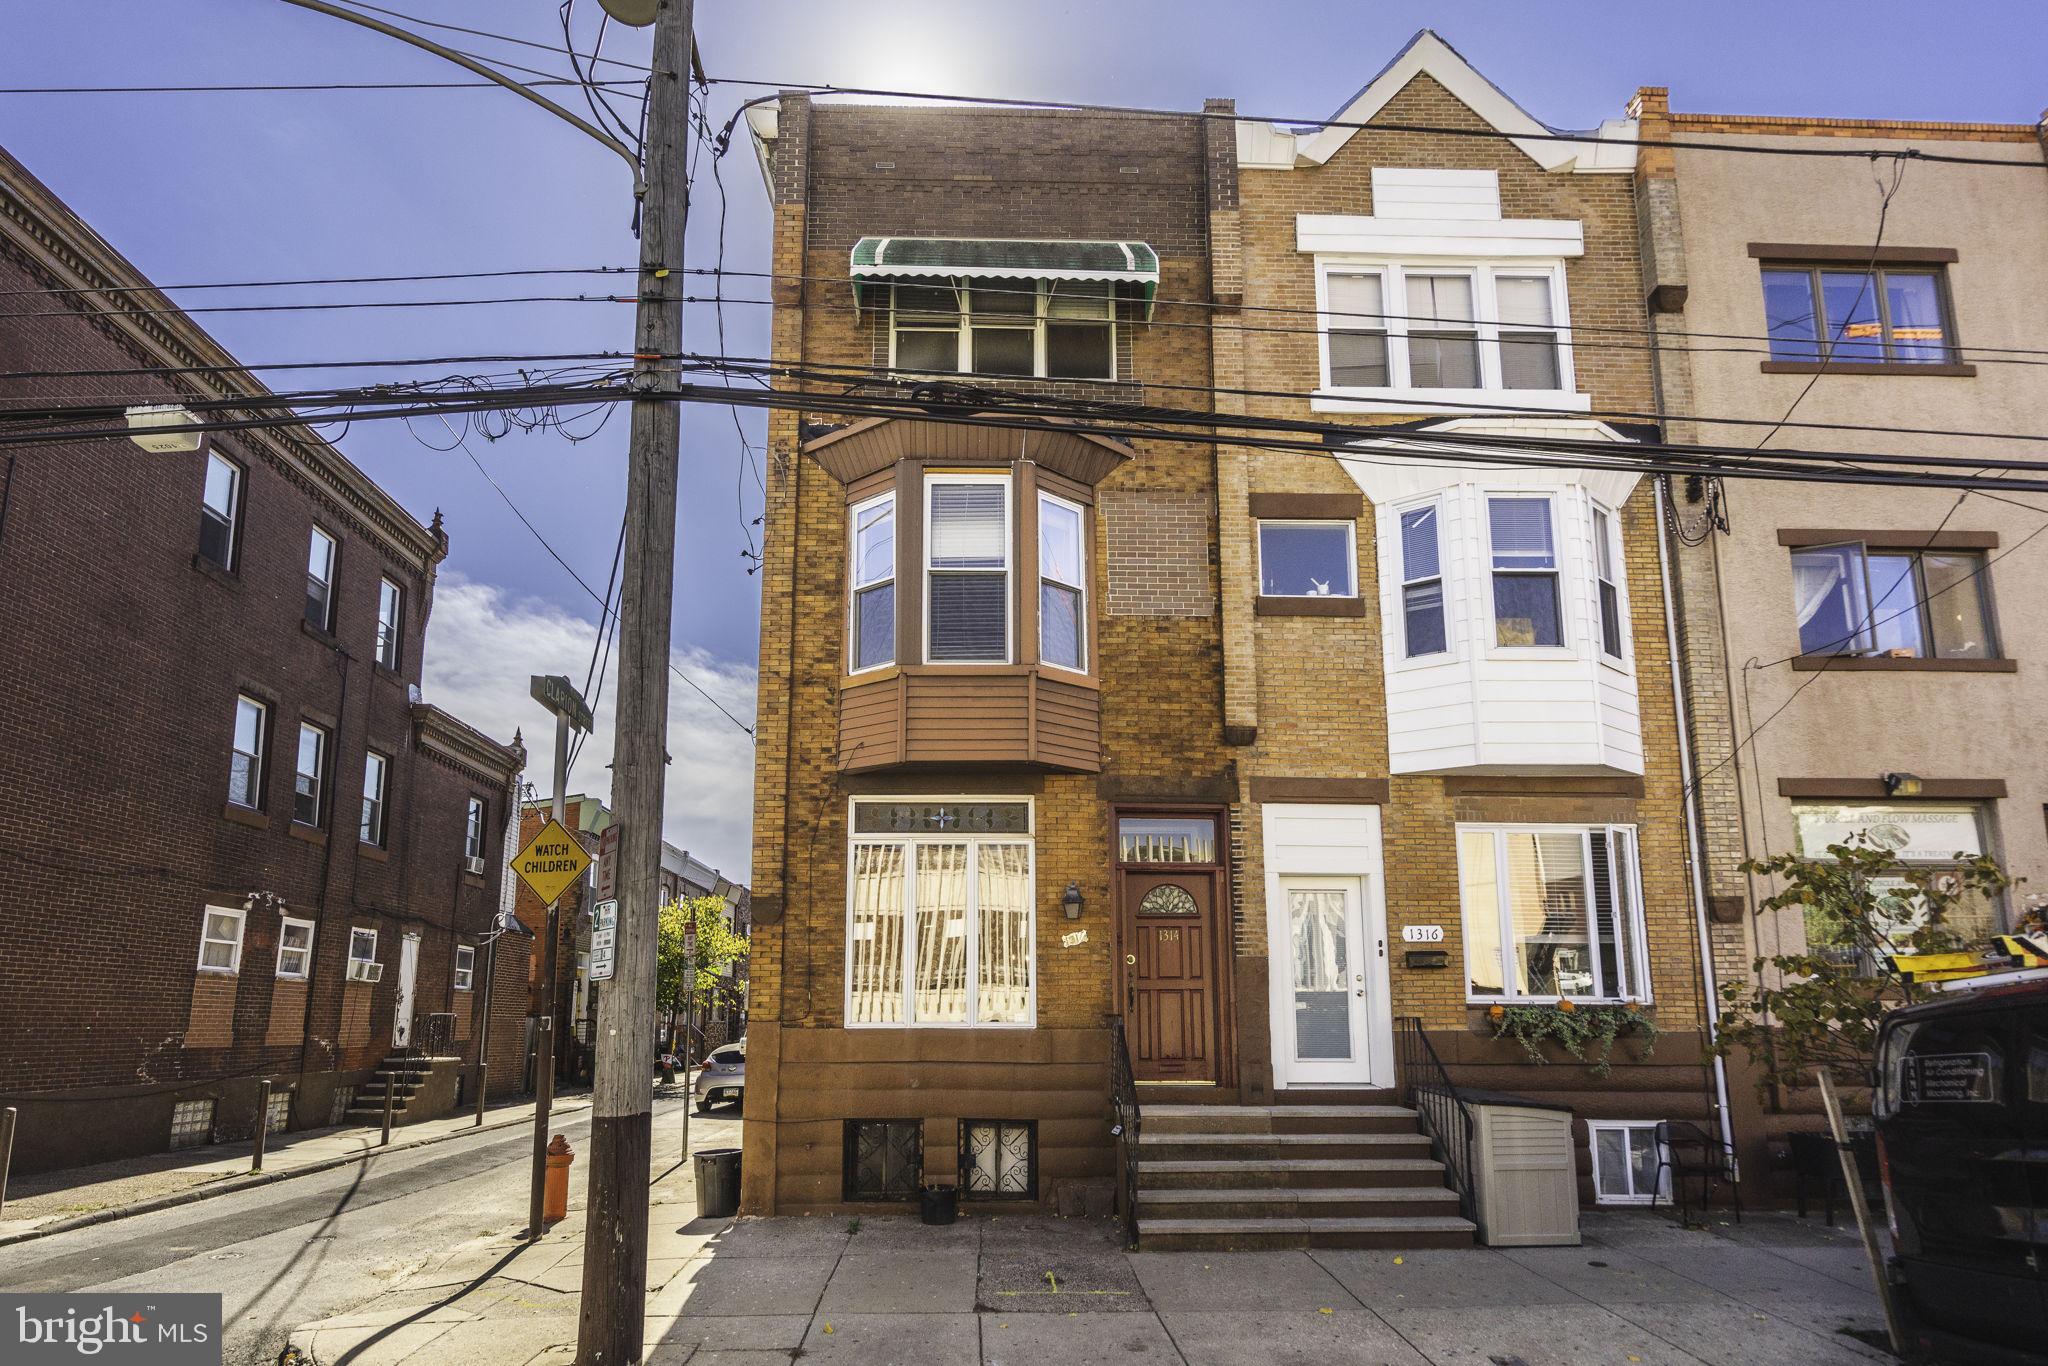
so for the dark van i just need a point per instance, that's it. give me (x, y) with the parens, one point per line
(1962, 1129)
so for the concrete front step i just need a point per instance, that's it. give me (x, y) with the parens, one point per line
(1284, 1202)
(1194, 1147)
(1366, 1095)
(1243, 1173)
(1278, 1119)
(1403, 1232)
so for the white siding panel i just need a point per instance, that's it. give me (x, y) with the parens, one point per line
(1459, 195)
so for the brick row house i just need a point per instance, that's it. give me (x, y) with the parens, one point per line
(1891, 615)
(1266, 770)
(238, 845)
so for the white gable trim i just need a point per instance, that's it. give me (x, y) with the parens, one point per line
(1413, 473)
(1431, 55)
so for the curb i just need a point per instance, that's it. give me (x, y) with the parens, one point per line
(250, 1181)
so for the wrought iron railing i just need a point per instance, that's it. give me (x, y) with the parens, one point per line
(433, 1036)
(1125, 1124)
(1442, 1108)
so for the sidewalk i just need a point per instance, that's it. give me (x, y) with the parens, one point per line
(50, 1202)
(1007, 1291)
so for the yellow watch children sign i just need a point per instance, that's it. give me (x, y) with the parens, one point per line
(551, 861)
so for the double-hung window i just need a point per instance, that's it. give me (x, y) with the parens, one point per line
(1606, 553)
(1528, 339)
(940, 925)
(362, 956)
(245, 767)
(1443, 332)
(320, 581)
(874, 583)
(1062, 592)
(1080, 330)
(1357, 313)
(473, 831)
(1304, 559)
(1552, 912)
(967, 569)
(309, 783)
(375, 770)
(1886, 316)
(1422, 582)
(465, 966)
(220, 511)
(390, 622)
(1526, 607)
(220, 939)
(1002, 328)
(1053, 329)
(294, 949)
(1892, 603)
(1444, 329)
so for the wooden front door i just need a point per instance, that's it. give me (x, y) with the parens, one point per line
(1170, 994)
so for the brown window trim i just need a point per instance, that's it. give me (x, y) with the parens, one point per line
(1309, 607)
(1351, 791)
(1809, 664)
(1843, 367)
(1793, 253)
(242, 815)
(309, 833)
(375, 853)
(1890, 538)
(1859, 789)
(1308, 507)
(1535, 785)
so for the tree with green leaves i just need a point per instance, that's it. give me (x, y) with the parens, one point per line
(1861, 904)
(683, 984)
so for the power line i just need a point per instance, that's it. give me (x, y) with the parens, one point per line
(323, 280)
(326, 306)
(278, 86)
(486, 33)
(1094, 110)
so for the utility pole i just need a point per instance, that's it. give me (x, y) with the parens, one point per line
(610, 1331)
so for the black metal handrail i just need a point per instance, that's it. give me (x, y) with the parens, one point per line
(1126, 1122)
(1441, 1107)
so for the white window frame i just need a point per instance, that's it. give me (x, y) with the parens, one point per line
(1562, 573)
(1326, 316)
(305, 970)
(383, 763)
(856, 585)
(1350, 554)
(1080, 589)
(323, 765)
(390, 629)
(1393, 273)
(241, 919)
(259, 758)
(474, 817)
(1007, 572)
(465, 967)
(353, 932)
(1445, 580)
(326, 580)
(1029, 839)
(1035, 322)
(1596, 512)
(1622, 872)
(233, 516)
(1602, 1196)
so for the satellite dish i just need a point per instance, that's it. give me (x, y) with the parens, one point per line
(638, 13)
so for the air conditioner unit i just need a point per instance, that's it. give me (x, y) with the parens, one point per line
(474, 863)
(362, 970)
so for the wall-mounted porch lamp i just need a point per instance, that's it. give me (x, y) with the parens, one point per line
(1070, 901)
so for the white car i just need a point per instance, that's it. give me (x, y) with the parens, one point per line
(723, 1076)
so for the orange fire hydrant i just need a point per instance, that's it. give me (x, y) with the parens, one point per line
(554, 1204)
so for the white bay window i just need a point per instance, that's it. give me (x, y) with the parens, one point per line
(1552, 912)
(940, 923)
(874, 583)
(1062, 591)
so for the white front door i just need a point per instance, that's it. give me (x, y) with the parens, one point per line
(408, 968)
(1328, 981)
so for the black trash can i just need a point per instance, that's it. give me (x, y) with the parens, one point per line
(938, 1204)
(718, 1183)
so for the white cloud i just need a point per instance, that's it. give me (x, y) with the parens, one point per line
(482, 647)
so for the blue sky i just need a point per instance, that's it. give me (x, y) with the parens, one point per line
(219, 187)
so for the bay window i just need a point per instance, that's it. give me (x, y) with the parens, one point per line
(1062, 594)
(874, 583)
(1552, 912)
(1422, 582)
(1606, 552)
(940, 923)
(1526, 609)
(967, 569)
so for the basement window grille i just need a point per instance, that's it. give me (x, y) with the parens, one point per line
(344, 1096)
(884, 1158)
(191, 1124)
(277, 1117)
(999, 1159)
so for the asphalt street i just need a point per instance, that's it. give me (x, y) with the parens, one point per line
(318, 1245)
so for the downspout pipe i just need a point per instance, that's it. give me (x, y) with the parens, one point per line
(1692, 822)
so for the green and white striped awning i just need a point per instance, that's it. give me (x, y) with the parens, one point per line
(1132, 267)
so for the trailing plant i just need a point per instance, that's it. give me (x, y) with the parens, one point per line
(1861, 904)
(1575, 1028)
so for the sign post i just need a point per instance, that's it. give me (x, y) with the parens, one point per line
(549, 864)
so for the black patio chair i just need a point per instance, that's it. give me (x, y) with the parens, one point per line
(1689, 1152)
